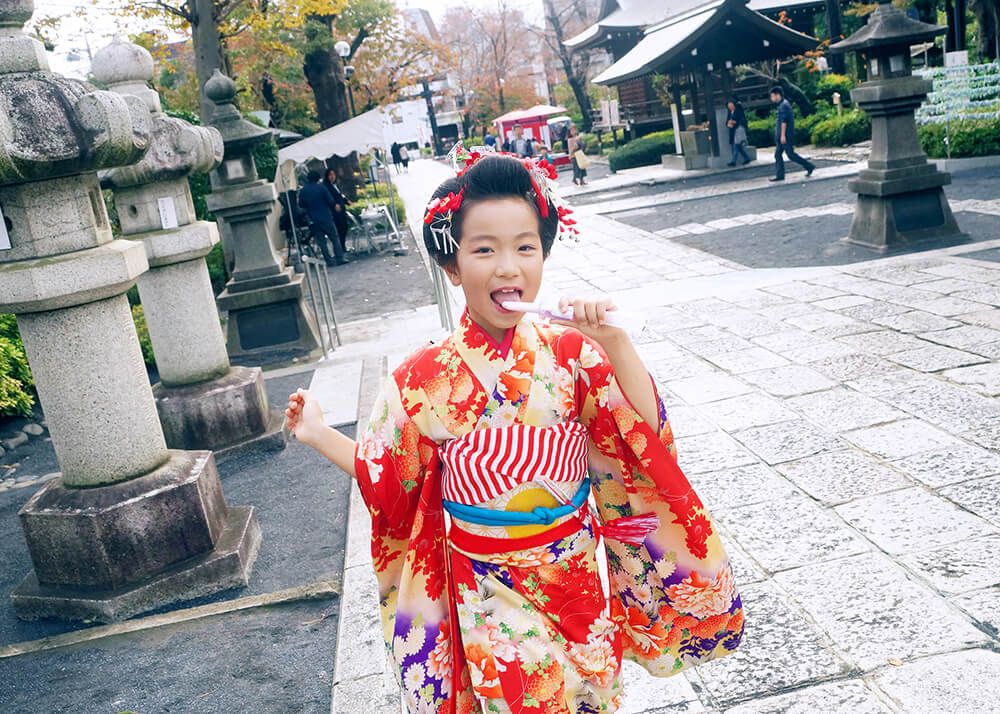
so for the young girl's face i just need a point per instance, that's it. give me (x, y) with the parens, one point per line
(499, 258)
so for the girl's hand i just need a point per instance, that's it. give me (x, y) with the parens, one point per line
(304, 417)
(589, 318)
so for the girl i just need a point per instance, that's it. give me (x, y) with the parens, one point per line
(477, 466)
(574, 147)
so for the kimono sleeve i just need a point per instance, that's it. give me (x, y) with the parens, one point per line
(673, 596)
(392, 460)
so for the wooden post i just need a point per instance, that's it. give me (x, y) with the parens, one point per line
(710, 111)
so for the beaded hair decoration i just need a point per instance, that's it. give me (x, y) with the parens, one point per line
(441, 211)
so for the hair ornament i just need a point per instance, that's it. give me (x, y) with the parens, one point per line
(439, 219)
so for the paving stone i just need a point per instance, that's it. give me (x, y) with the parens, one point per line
(698, 390)
(900, 439)
(820, 320)
(950, 465)
(966, 337)
(840, 476)
(960, 567)
(851, 366)
(645, 694)
(981, 496)
(842, 409)
(894, 274)
(983, 318)
(791, 532)
(952, 408)
(745, 569)
(757, 299)
(912, 520)
(667, 319)
(878, 308)
(794, 309)
(787, 440)
(851, 327)
(788, 381)
(966, 271)
(850, 696)
(748, 360)
(987, 435)
(955, 682)
(710, 348)
(984, 378)
(804, 291)
(842, 301)
(741, 486)
(915, 321)
(983, 606)
(14, 441)
(745, 411)
(873, 611)
(946, 286)
(660, 349)
(786, 340)
(990, 351)
(986, 294)
(711, 452)
(781, 649)
(935, 358)
(688, 421)
(705, 333)
(694, 228)
(946, 306)
(747, 324)
(668, 371)
(821, 349)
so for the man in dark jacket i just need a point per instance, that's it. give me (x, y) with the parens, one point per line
(784, 137)
(319, 205)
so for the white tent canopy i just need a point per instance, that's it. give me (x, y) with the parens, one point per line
(362, 134)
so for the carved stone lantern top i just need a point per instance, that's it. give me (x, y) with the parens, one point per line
(51, 126)
(177, 148)
(238, 134)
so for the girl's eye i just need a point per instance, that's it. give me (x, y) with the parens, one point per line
(483, 250)
(528, 247)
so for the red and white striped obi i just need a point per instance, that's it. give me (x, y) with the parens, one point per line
(486, 463)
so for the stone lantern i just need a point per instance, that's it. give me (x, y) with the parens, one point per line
(268, 319)
(129, 525)
(900, 195)
(203, 402)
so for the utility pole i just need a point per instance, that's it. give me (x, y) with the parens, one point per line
(426, 94)
(836, 29)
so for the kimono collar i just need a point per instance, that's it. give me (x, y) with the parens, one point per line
(472, 333)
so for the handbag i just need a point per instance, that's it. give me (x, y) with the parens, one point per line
(740, 135)
(582, 161)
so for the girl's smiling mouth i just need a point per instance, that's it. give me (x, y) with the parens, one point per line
(505, 294)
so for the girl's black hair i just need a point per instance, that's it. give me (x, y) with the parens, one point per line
(489, 178)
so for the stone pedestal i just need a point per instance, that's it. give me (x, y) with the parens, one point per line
(155, 206)
(131, 525)
(269, 322)
(901, 199)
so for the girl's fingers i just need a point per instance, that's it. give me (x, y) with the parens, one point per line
(601, 313)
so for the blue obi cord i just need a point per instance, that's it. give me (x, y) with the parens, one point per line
(540, 516)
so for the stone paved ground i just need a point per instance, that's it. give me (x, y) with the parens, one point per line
(842, 424)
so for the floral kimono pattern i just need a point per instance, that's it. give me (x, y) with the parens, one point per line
(526, 625)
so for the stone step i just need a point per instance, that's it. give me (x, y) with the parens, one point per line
(337, 386)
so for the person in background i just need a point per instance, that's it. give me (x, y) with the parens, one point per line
(736, 120)
(340, 209)
(394, 152)
(784, 137)
(319, 205)
(404, 156)
(490, 140)
(545, 153)
(521, 145)
(573, 145)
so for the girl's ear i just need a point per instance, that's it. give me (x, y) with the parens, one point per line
(451, 270)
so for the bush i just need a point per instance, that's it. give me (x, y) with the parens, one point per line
(16, 394)
(217, 273)
(830, 83)
(804, 125)
(367, 195)
(965, 137)
(139, 318)
(646, 151)
(848, 128)
(760, 132)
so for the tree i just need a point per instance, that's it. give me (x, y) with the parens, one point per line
(576, 65)
(987, 13)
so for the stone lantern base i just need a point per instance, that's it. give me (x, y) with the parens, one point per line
(226, 415)
(111, 552)
(901, 207)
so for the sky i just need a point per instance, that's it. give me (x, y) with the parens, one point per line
(99, 25)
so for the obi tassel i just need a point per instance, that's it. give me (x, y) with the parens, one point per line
(631, 529)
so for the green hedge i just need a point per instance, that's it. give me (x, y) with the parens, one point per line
(16, 385)
(965, 137)
(832, 82)
(848, 128)
(367, 195)
(760, 132)
(645, 151)
(139, 318)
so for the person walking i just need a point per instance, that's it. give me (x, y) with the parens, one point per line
(340, 210)
(319, 205)
(784, 137)
(396, 156)
(574, 147)
(404, 156)
(736, 120)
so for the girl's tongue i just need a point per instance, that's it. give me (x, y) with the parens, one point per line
(503, 295)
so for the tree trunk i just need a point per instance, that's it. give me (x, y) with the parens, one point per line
(325, 74)
(576, 82)
(835, 27)
(986, 13)
(208, 52)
